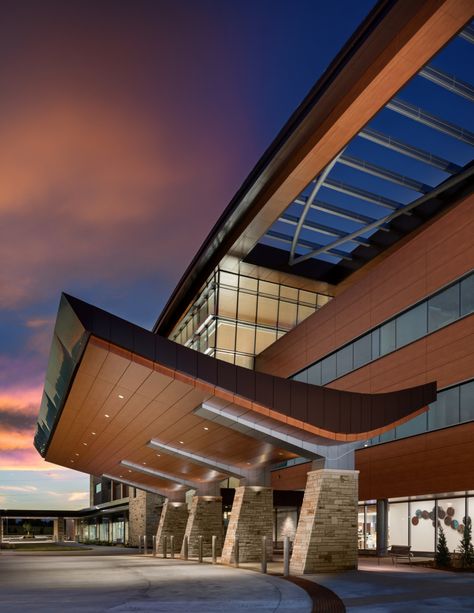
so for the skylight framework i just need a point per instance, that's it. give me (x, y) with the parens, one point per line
(417, 147)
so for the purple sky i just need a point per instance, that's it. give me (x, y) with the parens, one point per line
(126, 128)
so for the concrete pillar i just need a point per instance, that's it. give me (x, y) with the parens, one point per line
(250, 519)
(173, 520)
(381, 526)
(326, 536)
(206, 520)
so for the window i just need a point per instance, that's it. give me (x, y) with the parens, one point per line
(445, 411)
(467, 295)
(411, 325)
(314, 374)
(443, 308)
(344, 360)
(467, 401)
(387, 337)
(362, 351)
(328, 369)
(98, 488)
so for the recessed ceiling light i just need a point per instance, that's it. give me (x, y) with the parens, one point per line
(93, 433)
(72, 461)
(205, 428)
(144, 463)
(182, 442)
(158, 455)
(121, 397)
(76, 454)
(106, 415)
(121, 476)
(85, 444)
(248, 463)
(129, 471)
(280, 453)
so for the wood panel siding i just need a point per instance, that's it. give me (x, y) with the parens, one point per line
(440, 461)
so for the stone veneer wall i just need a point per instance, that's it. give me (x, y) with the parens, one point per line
(251, 519)
(206, 520)
(326, 536)
(58, 529)
(144, 512)
(173, 520)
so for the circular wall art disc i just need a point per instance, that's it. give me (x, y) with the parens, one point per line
(450, 511)
(414, 520)
(447, 520)
(441, 513)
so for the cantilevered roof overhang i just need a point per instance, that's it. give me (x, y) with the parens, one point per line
(122, 401)
(392, 45)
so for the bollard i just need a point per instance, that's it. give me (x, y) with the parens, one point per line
(286, 556)
(264, 555)
(236, 552)
(165, 546)
(185, 547)
(200, 550)
(172, 546)
(139, 544)
(145, 549)
(154, 546)
(214, 547)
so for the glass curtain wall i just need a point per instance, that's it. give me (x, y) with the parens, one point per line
(414, 522)
(235, 317)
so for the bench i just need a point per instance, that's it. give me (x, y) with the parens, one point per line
(400, 551)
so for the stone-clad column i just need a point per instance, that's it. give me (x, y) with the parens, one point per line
(58, 529)
(326, 536)
(250, 519)
(206, 520)
(173, 519)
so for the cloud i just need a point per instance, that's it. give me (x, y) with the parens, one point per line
(78, 496)
(17, 488)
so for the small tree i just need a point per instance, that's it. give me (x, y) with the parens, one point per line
(442, 556)
(467, 549)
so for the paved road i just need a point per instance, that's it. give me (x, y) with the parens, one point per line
(125, 583)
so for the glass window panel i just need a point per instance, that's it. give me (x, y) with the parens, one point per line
(387, 337)
(361, 527)
(244, 360)
(414, 426)
(467, 401)
(248, 283)
(288, 292)
(322, 300)
(247, 307)
(443, 308)
(301, 376)
(211, 335)
(225, 357)
(457, 511)
(263, 339)
(268, 288)
(202, 313)
(411, 325)
(398, 517)
(304, 312)
(225, 335)
(287, 314)
(267, 310)
(344, 360)
(445, 411)
(307, 297)
(245, 339)
(370, 526)
(422, 531)
(375, 337)
(280, 333)
(227, 302)
(467, 295)
(228, 278)
(211, 302)
(362, 351)
(314, 374)
(328, 369)
(385, 437)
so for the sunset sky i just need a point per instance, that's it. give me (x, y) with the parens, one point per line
(127, 126)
